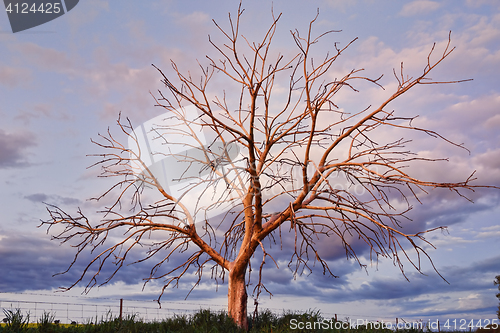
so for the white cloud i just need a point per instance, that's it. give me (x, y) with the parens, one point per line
(450, 240)
(478, 3)
(195, 18)
(341, 4)
(461, 119)
(476, 38)
(488, 234)
(419, 7)
(491, 228)
(472, 301)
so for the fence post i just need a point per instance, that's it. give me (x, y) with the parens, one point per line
(397, 324)
(121, 308)
(335, 317)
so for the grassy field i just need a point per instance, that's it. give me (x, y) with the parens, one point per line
(202, 321)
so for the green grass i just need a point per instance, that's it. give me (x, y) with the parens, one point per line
(205, 321)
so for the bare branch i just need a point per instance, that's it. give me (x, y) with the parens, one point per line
(232, 173)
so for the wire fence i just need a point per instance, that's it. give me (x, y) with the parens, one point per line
(94, 310)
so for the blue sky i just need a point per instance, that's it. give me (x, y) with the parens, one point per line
(64, 82)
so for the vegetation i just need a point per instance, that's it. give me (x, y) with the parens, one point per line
(497, 282)
(16, 321)
(202, 321)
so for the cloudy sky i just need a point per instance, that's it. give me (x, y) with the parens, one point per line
(64, 82)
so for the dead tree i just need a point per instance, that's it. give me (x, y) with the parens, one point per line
(302, 169)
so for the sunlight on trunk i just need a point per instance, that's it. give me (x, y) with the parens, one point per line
(237, 299)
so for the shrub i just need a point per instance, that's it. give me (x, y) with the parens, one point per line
(16, 322)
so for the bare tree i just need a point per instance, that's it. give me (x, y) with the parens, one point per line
(301, 168)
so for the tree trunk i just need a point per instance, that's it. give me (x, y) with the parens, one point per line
(237, 298)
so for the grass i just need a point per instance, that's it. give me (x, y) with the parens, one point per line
(205, 321)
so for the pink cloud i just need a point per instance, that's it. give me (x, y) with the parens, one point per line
(419, 7)
(14, 76)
